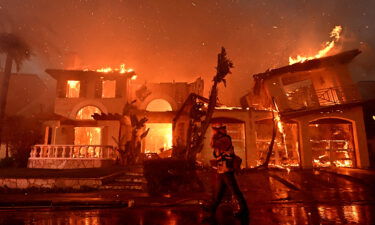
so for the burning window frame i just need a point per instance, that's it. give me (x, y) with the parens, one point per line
(73, 89)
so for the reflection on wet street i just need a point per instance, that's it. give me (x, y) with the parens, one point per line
(274, 197)
(264, 214)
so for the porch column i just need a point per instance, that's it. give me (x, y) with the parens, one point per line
(54, 135)
(360, 142)
(46, 134)
(251, 147)
(305, 145)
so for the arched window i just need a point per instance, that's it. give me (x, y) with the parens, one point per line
(159, 105)
(86, 113)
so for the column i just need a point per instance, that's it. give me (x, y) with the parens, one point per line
(305, 148)
(251, 147)
(360, 142)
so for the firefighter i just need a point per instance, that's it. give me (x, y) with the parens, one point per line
(223, 153)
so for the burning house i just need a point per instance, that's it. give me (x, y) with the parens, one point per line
(318, 113)
(71, 133)
(82, 131)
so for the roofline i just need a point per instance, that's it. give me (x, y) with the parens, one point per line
(341, 58)
(55, 73)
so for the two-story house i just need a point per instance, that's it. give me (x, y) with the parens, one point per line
(74, 139)
(71, 132)
(321, 113)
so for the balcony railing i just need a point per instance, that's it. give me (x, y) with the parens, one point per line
(305, 98)
(73, 152)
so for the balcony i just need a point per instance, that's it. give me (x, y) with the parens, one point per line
(71, 156)
(308, 98)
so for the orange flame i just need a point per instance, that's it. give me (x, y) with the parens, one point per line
(335, 35)
(122, 69)
(73, 87)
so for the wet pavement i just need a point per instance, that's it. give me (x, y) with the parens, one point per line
(274, 197)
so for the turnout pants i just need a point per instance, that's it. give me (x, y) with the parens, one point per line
(226, 181)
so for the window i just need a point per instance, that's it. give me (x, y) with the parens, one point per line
(301, 94)
(159, 137)
(159, 105)
(86, 113)
(108, 89)
(73, 88)
(87, 135)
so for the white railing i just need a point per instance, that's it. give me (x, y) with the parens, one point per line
(73, 152)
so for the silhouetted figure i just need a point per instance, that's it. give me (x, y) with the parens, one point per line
(223, 152)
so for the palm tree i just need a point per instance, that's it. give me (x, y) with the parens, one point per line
(224, 65)
(17, 51)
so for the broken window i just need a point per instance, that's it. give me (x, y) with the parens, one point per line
(108, 89)
(73, 88)
(301, 94)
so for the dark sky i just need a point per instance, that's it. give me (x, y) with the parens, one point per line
(165, 40)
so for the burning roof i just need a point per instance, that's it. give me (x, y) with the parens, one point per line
(341, 58)
(76, 74)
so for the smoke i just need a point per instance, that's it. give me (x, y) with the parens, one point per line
(165, 40)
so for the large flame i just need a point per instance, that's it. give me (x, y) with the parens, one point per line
(335, 36)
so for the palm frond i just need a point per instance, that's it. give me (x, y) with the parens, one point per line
(15, 47)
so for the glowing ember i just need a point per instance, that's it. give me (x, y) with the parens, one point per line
(335, 35)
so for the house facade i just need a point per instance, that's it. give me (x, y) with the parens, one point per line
(74, 139)
(320, 110)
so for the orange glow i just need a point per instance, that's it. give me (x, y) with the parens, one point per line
(159, 137)
(122, 69)
(108, 88)
(159, 105)
(332, 145)
(335, 35)
(87, 136)
(72, 88)
(86, 113)
(280, 127)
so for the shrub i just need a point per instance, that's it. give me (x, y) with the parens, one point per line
(7, 162)
(21, 133)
